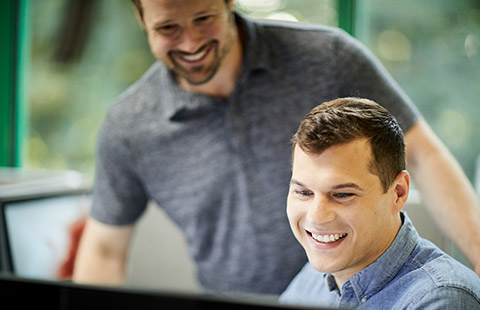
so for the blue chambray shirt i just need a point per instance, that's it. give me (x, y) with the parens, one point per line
(412, 273)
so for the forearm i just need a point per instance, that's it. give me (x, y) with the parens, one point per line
(92, 266)
(102, 254)
(447, 193)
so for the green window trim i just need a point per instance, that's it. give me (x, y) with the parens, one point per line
(353, 17)
(346, 15)
(13, 61)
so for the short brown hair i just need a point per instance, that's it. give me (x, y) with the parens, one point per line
(138, 5)
(346, 119)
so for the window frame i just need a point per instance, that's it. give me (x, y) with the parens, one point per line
(14, 22)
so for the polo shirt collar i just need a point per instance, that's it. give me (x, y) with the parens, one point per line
(256, 50)
(178, 101)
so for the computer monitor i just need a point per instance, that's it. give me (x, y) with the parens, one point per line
(28, 293)
(40, 225)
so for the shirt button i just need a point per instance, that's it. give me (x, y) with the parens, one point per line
(364, 299)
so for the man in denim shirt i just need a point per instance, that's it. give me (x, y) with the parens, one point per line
(348, 187)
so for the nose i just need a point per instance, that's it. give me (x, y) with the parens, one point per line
(321, 212)
(190, 40)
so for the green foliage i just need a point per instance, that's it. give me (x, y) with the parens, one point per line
(441, 66)
(68, 99)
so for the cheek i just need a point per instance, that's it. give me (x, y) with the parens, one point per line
(213, 33)
(294, 213)
(219, 31)
(365, 220)
(214, 29)
(294, 220)
(289, 210)
(160, 46)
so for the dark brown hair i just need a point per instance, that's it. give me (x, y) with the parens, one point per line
(138, 5)
(346, 119)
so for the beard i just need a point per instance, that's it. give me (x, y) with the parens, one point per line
(202, 74)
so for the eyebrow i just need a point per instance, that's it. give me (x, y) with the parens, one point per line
(208, 11)
(335, 187)
(347, 185)
(293, 181)
(160, 22)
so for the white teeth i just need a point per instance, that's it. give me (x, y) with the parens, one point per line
(194, 57)
(328, 238)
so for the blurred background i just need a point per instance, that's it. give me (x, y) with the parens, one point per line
(74, 57)
(431, 47)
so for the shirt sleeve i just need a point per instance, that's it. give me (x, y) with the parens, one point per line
(360, 74)
(447, 297)
(118, 195)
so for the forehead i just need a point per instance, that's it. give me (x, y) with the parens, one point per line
(172, 9)
(343, 163)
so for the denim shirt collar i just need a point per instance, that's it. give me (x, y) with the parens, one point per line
(377, 275)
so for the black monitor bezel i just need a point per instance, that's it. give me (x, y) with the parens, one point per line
(26, 293)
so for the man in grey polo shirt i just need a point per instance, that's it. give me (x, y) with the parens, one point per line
(205, 133)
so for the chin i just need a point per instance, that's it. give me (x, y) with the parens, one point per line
(323, 264)
(199, 81)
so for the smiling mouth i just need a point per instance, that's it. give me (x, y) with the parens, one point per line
(195, 57)
(328, 238)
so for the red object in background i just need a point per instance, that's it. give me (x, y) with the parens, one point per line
(65, 271)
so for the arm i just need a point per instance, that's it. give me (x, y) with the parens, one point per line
(102, 253)
(445, 190)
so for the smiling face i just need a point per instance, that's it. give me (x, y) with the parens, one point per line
(339, 211)
(194, 38)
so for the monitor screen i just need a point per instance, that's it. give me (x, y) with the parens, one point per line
(42, 234)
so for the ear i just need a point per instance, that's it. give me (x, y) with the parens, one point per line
(401, 187)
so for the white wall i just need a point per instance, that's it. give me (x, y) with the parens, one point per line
(158, 256)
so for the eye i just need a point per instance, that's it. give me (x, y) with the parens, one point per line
(303, 192)
(343, 196)
(204, 19)
(168, 29)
